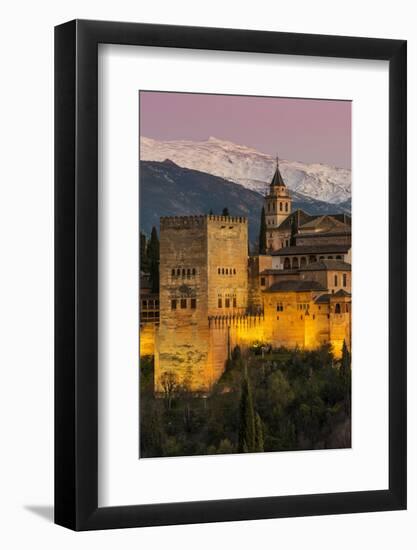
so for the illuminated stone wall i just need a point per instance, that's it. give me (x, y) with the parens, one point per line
(294, 319)
(147, 339)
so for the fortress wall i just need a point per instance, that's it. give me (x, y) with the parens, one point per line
(339, 332)
(147, 339)
(226, 334)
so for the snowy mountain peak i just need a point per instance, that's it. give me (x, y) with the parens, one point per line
(249, 167)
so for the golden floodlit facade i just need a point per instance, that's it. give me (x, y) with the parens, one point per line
(213, 296)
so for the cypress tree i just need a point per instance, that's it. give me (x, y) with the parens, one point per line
(144, 263)
(346, 377)
(294, 230)
(246, 443)
(345, 363)
(153, 258)
(259, 435)
(262, 233)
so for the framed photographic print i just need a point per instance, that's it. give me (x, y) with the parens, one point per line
(230, 275)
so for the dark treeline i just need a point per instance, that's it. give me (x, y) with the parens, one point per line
(149, 258)
(277, 401)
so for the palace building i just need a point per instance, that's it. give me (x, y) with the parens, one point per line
(213, 296)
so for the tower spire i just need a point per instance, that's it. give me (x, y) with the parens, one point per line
(277, 179)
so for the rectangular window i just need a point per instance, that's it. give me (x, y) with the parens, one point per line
(173, 304)
(344, 279)
(234, 302)
(335, 280)
(262, 281)
(183, 303)
(193, 303)
(219, 302)
(227, 302)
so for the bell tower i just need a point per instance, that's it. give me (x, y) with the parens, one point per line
(277, 202)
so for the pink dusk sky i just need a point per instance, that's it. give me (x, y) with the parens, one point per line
(308, 130)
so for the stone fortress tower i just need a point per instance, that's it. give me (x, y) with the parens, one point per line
(203, 278)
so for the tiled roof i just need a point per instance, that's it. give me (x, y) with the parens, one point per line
(342, 293)
(312, 249)
(323, 299)
(302, 217)
(324, 234)
(295, 286)
(326, 221)
(326, 265)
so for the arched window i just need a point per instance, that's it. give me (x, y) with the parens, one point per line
(219, 270)
(337, 308)
(330, 257)
(312, 259)
(183, 272)
(338, 257)
(178, 272)
(280, 206)
(234, 271)
(193, 270)
(273, 206)
(286, 207)
(303, 262)
(188, 273)
(295, 263)
(222, 270)
(287, 263)
(335, 280)
(344, 279)
(227, 271)
(173, 273)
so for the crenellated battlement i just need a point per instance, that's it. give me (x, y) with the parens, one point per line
(182, 222)
(229, 219)
(248, 319)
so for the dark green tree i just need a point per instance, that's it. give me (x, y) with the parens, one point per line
(225, 211)
(144, 262)
(262, 233)
(294, 230)
(345, 362)
(259, 435)
(345, 373)
(153, 259)
(246, 442)
(236, 353)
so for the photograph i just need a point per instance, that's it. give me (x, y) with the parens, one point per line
(245, 274)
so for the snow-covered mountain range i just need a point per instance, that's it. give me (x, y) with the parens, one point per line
(251, 168)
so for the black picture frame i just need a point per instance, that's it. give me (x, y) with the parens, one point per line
(76, 272)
